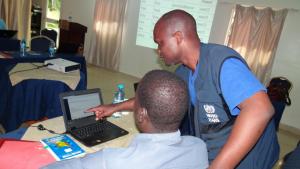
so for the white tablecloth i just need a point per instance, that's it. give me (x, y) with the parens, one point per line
(71, 78)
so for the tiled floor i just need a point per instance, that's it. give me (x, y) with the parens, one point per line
(287, 142)
(107, 81)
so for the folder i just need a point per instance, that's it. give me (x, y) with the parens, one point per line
(18, 154)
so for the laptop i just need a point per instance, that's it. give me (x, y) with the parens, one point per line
(82, 125)
(7, 33)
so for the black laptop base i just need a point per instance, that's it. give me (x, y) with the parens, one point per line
(110, 131)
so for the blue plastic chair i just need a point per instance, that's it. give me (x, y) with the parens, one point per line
(40, 43)
(50, 33)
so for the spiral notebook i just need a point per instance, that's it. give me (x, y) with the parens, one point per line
(81, 124)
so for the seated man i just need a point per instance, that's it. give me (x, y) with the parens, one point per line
(160, 104)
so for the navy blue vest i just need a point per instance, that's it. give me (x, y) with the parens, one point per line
(210, 118)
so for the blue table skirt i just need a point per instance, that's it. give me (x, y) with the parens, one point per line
(32, 99)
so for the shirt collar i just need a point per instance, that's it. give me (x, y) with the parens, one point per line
(170, 138)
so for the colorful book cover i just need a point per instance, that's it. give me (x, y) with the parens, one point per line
(62, 147)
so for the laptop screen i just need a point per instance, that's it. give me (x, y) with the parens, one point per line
(76, 105)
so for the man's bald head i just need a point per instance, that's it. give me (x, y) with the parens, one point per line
(177, 20)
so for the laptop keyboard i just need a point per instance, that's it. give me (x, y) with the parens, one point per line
(90, 130)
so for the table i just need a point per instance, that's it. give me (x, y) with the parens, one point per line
(56, 124)
(32, 99)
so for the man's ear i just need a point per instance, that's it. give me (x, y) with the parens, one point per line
(142, 115)
(179, 36)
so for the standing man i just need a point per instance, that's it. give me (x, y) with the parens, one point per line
(229, 108)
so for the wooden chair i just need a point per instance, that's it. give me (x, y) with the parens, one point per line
(71, 37)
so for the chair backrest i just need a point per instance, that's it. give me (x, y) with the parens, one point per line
(40, 43)
(68, 43)
(50, 33)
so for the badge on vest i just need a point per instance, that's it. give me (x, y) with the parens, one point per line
(210, 113)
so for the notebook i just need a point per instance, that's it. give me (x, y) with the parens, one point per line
(82, 125)
(62, 147)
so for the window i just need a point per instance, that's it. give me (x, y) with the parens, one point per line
(53, 14)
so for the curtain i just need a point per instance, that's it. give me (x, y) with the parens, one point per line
(17, 16)
(255, 34)
(107, 32)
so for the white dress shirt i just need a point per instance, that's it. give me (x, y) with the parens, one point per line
(146, 151)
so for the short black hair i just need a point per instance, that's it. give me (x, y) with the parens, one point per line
(164, 95)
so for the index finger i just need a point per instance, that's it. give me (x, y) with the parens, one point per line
(93, 109)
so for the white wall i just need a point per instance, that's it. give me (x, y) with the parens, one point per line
(80, 11)
(136, 60)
